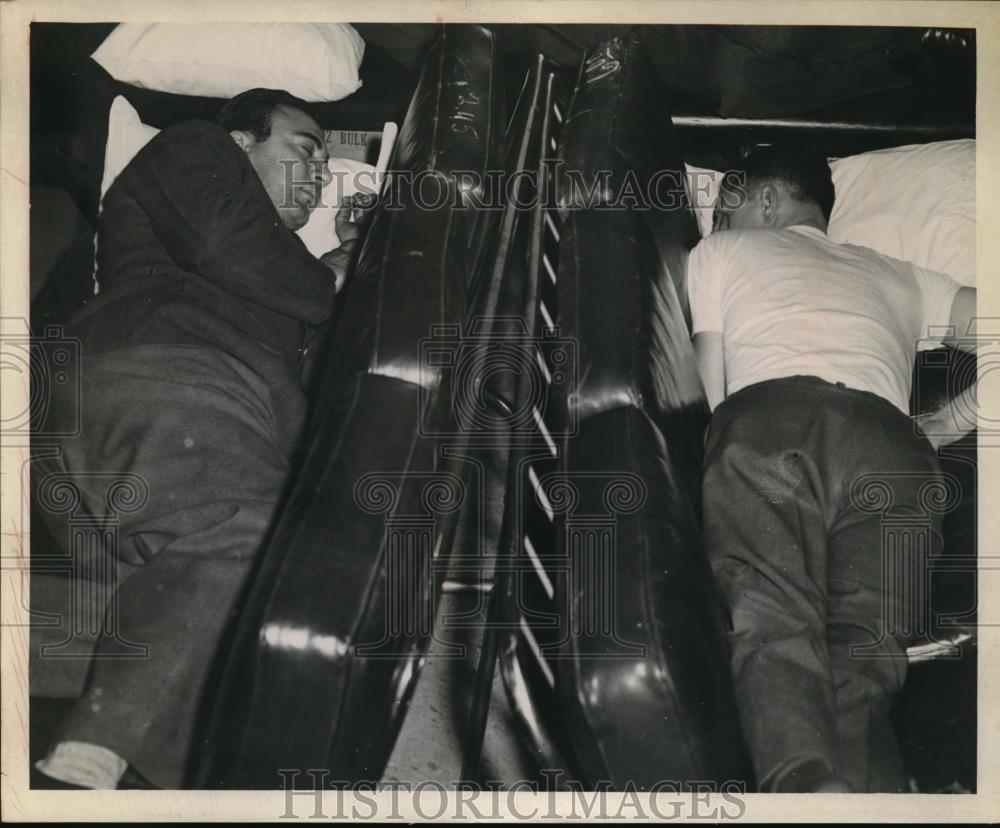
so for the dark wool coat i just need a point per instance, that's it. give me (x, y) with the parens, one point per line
(191, 404)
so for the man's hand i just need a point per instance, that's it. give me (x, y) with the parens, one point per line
(952, 421)
(349, 232)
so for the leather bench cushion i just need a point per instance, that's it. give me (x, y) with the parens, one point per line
(652, 701)
(328, 585)
(617, 302)
(373, 498)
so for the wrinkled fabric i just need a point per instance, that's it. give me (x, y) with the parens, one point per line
(804, 560)
(193, 358)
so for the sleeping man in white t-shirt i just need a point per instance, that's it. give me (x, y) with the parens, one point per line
(806, 349)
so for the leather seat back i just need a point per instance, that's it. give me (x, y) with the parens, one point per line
(342, 606)
(643, 669)
(613, 156)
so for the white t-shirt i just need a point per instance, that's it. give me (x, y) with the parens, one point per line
(792, 301)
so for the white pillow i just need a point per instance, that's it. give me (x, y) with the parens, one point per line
(314, 61)
(916, 203)
(127, 134)
(703, 189)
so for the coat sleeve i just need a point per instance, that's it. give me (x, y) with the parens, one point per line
(209, 209)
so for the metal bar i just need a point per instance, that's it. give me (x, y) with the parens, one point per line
(715, 122)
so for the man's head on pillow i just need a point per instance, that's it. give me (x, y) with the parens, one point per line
(285, 146)
(774, 188)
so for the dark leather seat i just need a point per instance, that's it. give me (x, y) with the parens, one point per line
(643, 669)
(342, 606)
(620, 151)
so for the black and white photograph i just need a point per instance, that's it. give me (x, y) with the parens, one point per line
(498, 412)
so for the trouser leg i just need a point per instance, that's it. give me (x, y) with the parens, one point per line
(825, 586)
(196, 429)
(879, 581)
(765, 535)
(147, 710)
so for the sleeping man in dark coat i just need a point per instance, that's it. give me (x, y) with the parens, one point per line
(193, 363)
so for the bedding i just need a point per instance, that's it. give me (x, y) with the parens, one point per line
(127, 134)
(916, 203)
(703, 189)
(315, 61)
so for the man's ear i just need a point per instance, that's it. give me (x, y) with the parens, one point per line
(768, 204)
(243, 139)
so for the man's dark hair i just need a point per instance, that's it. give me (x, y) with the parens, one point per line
(251, 111)
(805, 172)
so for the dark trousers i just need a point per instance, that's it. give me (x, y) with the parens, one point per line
(819, 522)
(181, 460)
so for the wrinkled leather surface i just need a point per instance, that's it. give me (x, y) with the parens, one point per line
(650, 700)
(617, 140)
(296, 693)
